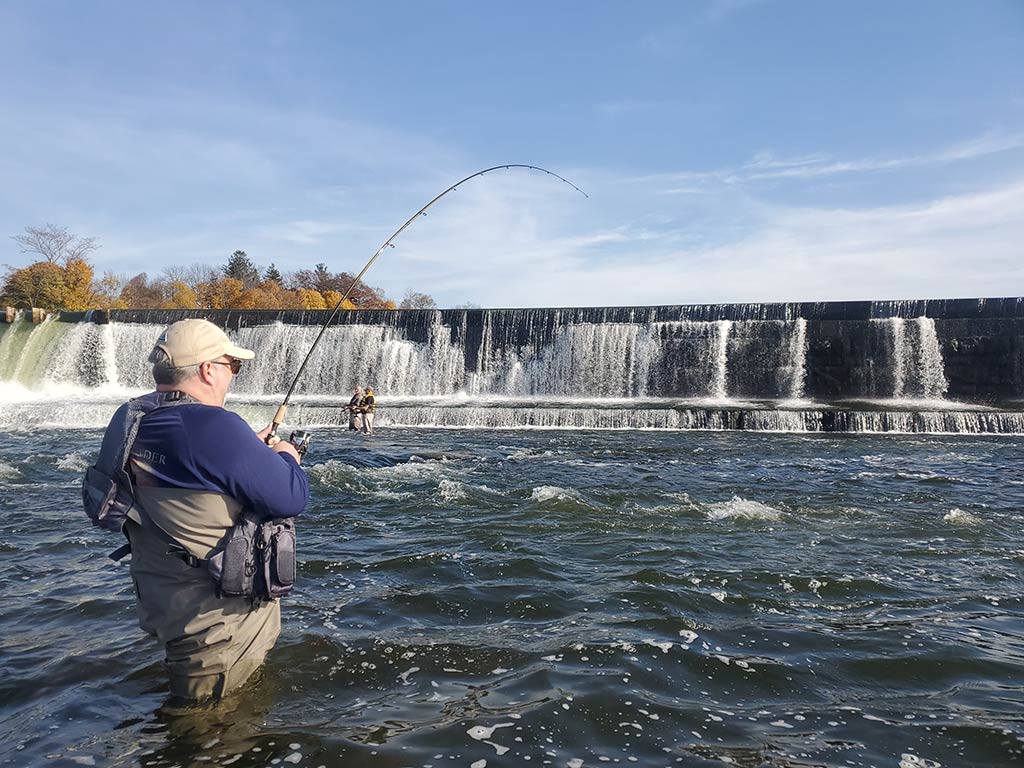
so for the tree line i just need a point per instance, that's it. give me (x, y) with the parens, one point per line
(63, 277)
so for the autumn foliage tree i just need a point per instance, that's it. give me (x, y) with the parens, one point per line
(64, 279)
(61, 279)
(37, 285)
(79, 293)
(182, 295)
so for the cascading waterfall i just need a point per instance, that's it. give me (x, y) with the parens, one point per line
(612, 360)
(932, 371)
(10, 349)
(917, 365)
(594, 368)
(717, 387)
(798, 359)
(899, 354)
(33, 355)
(347, 356)
(110, 356)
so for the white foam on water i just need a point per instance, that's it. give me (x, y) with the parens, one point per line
(391, 495)
(908, 760)
(549, 492)
(74, 462)
(8, 471)
(14, 393)
(665, 647)
(451, 490)
(958, 516)
(412, 470)
(744, 509)
(332, 472)
(481, 732)
(528, 454)
(688, 635)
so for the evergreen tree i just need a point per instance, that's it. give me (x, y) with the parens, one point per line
(323, 280)
(241, 268)
(272, 275)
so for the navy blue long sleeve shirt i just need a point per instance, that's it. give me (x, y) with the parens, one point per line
(206, 448)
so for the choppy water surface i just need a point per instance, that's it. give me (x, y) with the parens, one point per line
(478, 598)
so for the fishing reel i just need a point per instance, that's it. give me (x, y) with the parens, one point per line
(300, 440)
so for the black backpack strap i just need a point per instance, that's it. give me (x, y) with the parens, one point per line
(136, 412)
(173, 546)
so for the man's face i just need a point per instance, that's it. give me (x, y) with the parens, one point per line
(224, 371)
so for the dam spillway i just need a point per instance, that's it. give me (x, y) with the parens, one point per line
(910, 366)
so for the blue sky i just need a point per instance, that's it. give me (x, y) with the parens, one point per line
(733, 150)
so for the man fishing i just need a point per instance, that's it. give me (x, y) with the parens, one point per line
(368, 405)
(355, 418)
(195, 467)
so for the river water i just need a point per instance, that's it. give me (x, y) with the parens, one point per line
(567, 598)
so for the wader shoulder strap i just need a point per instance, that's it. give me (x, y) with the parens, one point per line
(138, 408)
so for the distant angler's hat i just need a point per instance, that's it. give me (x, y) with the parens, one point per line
(190, 342)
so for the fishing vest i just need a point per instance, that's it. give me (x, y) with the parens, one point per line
(256, 558)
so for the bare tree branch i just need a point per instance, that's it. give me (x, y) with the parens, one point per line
(55, 244)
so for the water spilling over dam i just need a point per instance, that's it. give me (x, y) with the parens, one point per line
(916, 366)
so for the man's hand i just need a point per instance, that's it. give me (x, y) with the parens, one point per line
(264, 433)
(283, 446)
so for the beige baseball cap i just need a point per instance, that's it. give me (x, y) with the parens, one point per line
(190, 342)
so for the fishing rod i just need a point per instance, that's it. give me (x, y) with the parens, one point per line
(283, 409)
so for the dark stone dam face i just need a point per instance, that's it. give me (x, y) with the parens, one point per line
(905, 366)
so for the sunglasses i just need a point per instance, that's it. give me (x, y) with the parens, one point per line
(234, 364)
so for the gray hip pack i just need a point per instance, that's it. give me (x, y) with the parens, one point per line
(256, 559)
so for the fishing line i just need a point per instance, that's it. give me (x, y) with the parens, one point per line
(279, 416)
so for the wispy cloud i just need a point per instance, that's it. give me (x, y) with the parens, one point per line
(766, 166)
(955, 245)
(302, 232)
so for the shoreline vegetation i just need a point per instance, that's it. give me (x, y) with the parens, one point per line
(63, 278)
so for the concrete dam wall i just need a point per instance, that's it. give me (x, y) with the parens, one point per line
(970, 350)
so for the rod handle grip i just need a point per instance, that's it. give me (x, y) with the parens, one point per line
(278, 418)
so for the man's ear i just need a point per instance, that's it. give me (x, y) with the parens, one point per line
(206, 372)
